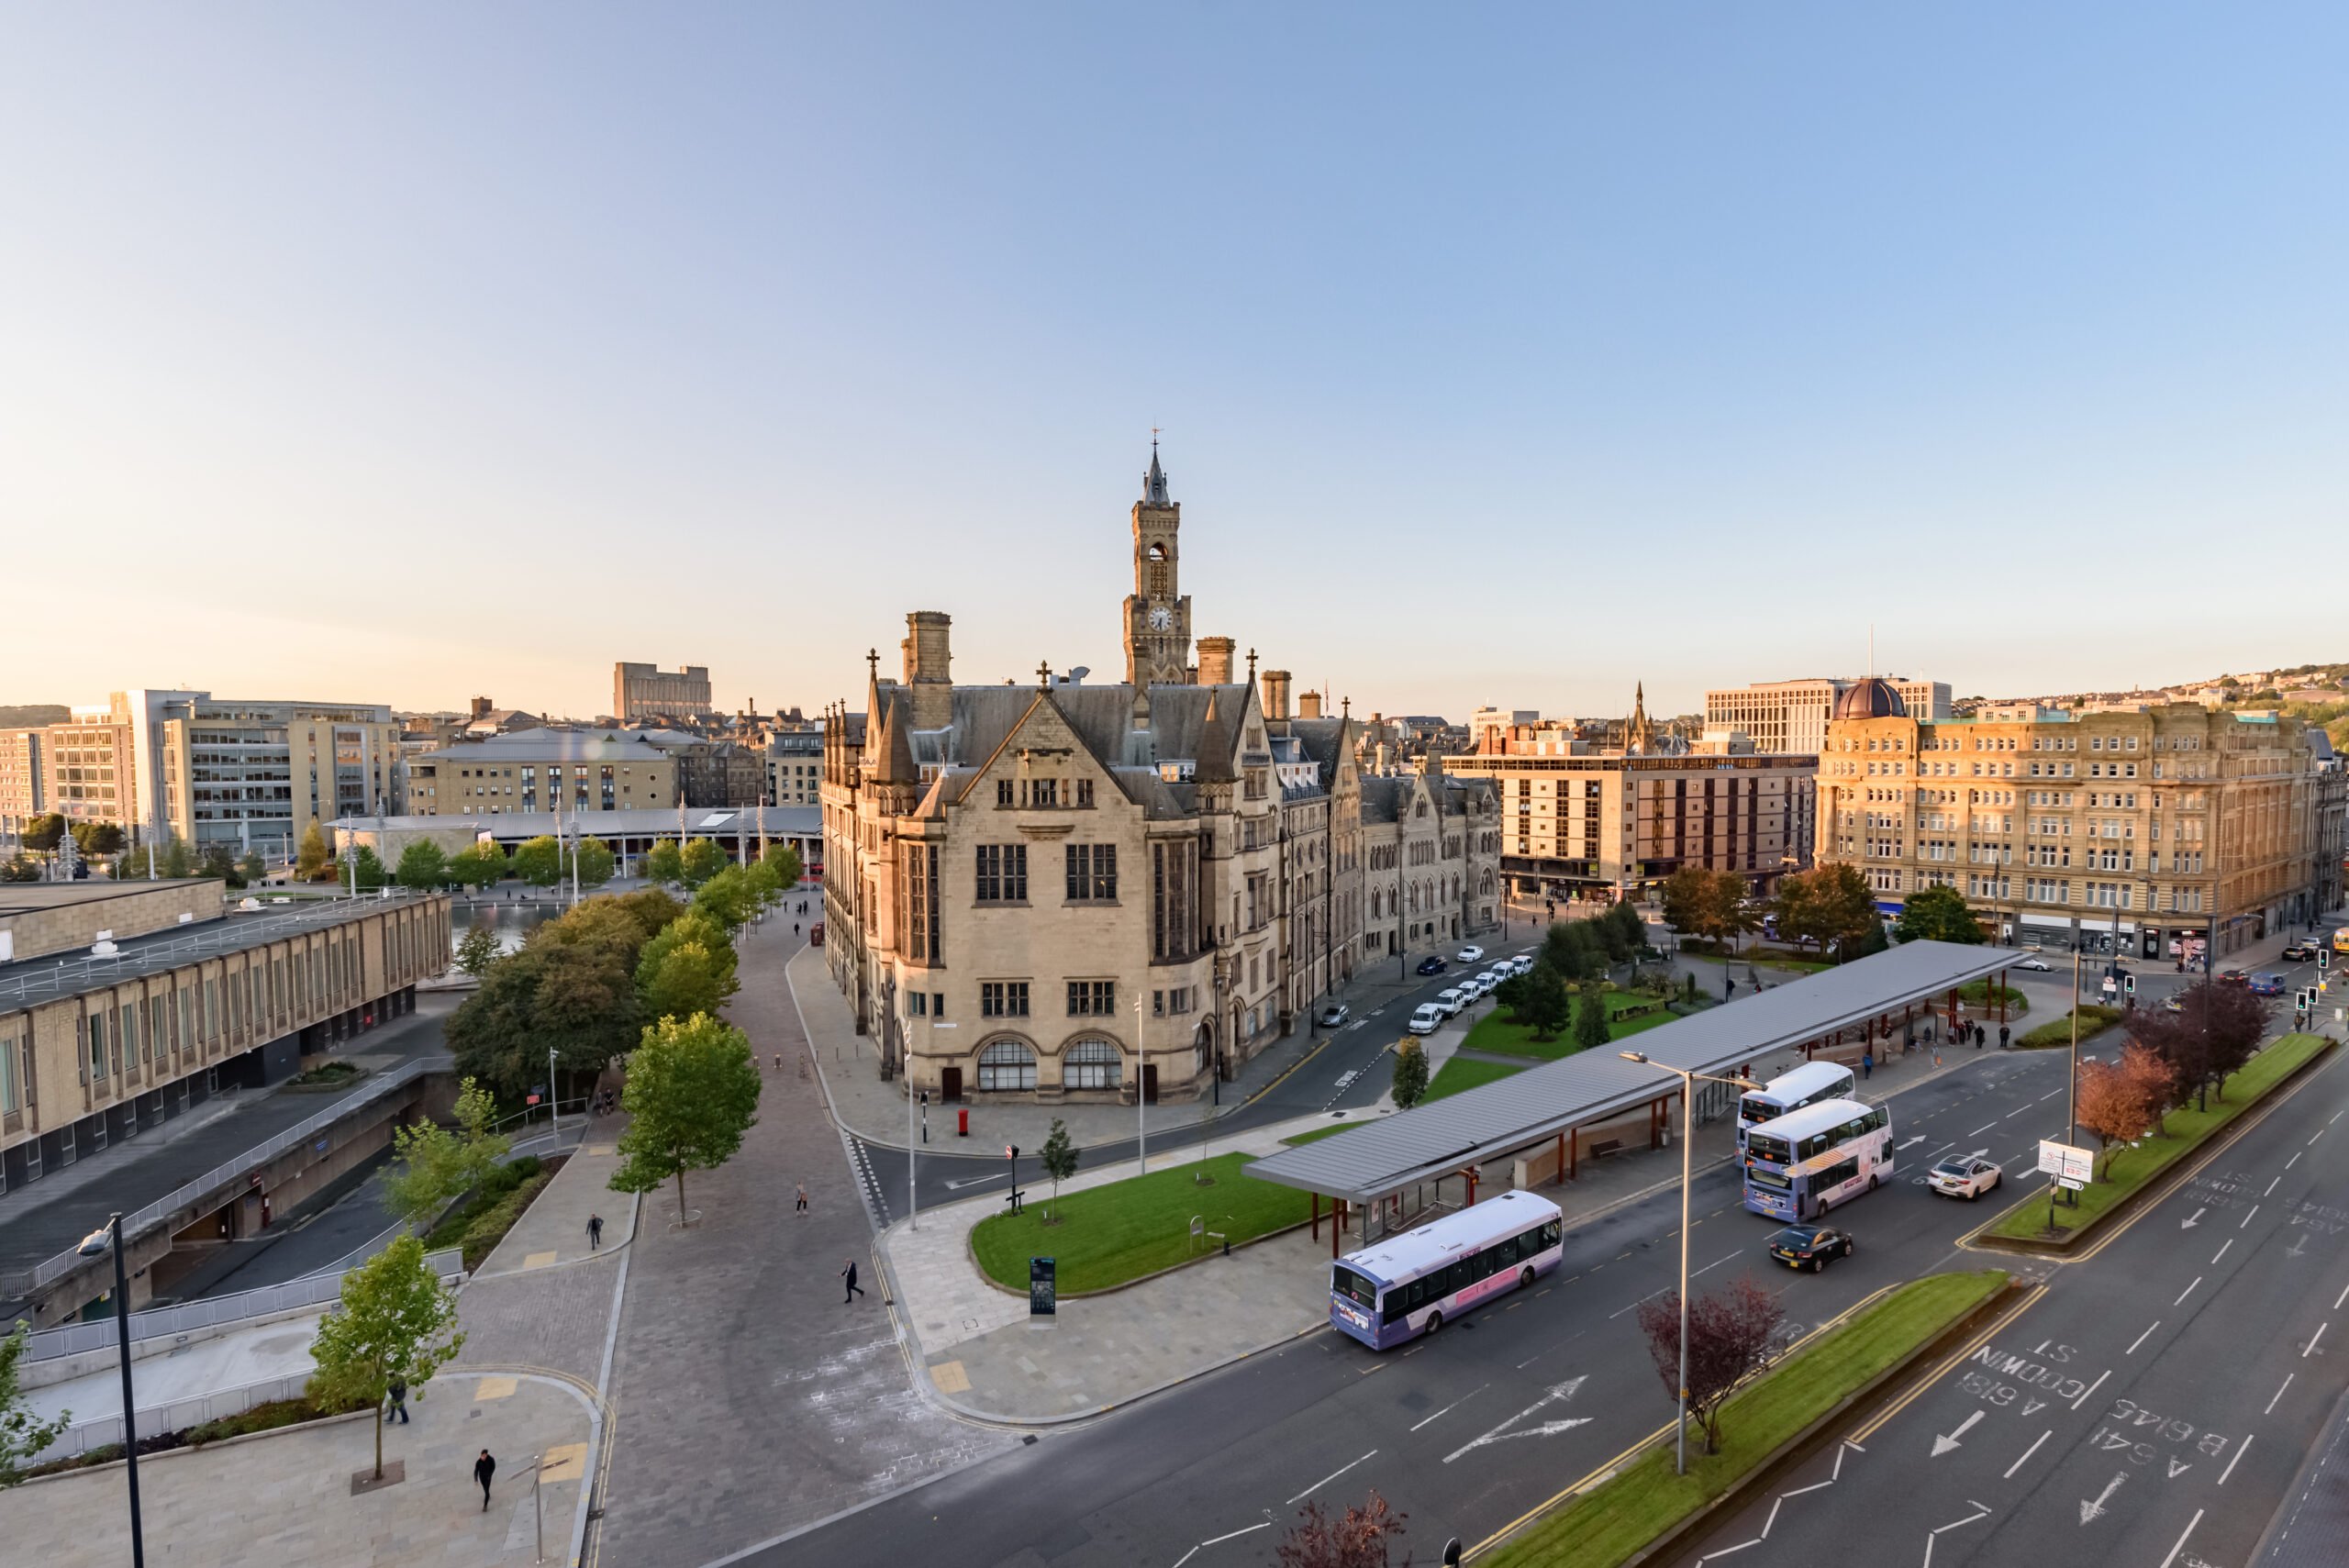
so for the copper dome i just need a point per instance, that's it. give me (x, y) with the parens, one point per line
(1871, 698)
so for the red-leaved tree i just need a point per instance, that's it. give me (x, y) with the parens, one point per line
(1359, 1538)
(2121, 1101)
(2213, 1033)
(1731, 1332)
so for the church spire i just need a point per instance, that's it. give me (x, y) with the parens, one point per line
(1153, 484)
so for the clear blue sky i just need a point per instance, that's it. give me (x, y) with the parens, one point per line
(1505, 355)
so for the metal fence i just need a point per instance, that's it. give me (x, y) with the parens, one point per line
(177, 1416)
(17, 1286)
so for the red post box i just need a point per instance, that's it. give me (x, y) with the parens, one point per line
(963, 1122)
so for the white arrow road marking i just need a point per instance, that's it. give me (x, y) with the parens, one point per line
(2096, 1510)
(1547, 1430)
(1942, 1445)
(1979, 1513)
(2300, 1247)
(2034, 1406)
(1907, 1141)
(2191, 1220)
(2019, 1463)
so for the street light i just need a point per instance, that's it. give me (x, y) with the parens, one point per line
(96, 1242)
(1689, 1081)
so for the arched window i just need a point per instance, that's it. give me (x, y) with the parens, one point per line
(1007, 1064)
(1091, 1065)
(1202, 1043)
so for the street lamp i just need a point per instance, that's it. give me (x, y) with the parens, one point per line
(96, 1242)
(1689, 1081)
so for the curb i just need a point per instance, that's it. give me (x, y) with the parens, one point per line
(310, 1425)
(2159, 1187)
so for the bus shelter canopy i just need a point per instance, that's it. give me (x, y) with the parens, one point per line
(1429, 1141)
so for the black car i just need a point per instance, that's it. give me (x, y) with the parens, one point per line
(1809, 1246)
(2300, 952)
(1432, 965)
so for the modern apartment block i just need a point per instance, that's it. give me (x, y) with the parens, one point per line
(239, 773)
(1792, 716)
(647, 691)
(2123, 832)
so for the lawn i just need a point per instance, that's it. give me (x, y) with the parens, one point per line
(2058, 1031)
(1319, 1133)
(1105, 1236)
(1460, 1074)
(1608, 1523)
(2132, 1168)
(1499, 1032)
(1980, 993)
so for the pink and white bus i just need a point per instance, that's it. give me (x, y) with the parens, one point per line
(1413, 1284)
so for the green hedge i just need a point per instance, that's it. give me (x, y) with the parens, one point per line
(2093, 1019)
(481, 1214)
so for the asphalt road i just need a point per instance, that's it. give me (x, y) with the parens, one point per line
(2151, 1409)
(1465, 1431)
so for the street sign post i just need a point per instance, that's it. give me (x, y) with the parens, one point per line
(2066, 1161)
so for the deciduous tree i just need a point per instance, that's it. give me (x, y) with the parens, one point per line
(484, 865)
(784, 859)
(436, 1165)
(396, 1321)
(1410, 1085)
(664, 865)
(22, 1434)
(1590, 1019)
(367, 870)
(692, 1093)
(1731, 1332)
(477, 950)
(701, 859)
(1542, 1004)
(538, 862)
(1939, 914)
(42, 834)
(311, 859)
(592, 860)
(251, 867)
(2215, 1031)
(424, 865)
(1360, 1537)
(2119, 1101)
(1688, 894)
(1058, 1156)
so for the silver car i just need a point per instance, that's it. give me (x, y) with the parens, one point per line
(1964, 1176)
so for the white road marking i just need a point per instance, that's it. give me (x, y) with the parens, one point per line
(2341, 1297)
(2279, 1392)
(2140, 1338)
(2246, 1218)
(1324, 1481)
(2019, 1463)
(2222, 1249)
(1650, 1296)
(1943, 1445)
(2271, 1187)
(1907, 1141)
(2186, 1292)
(1800, 1490)
(1220, 1540)
(1547, 1428)
(1980, 1513)
(1725, 1550)
(2091, 1511)
(1982, 1129)
(2191, 1220)
(1710, 1267)
(2313, 1137)
(2320, 1334)
(1837, 1474)
(1931, 1152)
(1455, 1405)
(2012, 1114)
(2294, 1160)
(2044, 1098)
(2092, 1388)
(2233, 1463)
(2181, 1539)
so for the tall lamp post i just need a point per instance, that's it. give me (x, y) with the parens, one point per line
(1689, 1081)
(96, 1242)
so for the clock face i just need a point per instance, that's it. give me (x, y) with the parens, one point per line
(1161, 618)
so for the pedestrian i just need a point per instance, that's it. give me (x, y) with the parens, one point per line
(848, 1272)
(778, 1062)
(795, 928)
(1981, 1037)
(483, 1468)
(801, 1206)
(1868, 1066)
(398, 1392)
(2003, 1032)
(594, 1233)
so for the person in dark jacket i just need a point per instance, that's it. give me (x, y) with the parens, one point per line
(398, 1411)
(483, 1468)
(848, 1272)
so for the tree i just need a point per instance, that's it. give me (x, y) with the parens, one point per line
(1360, 1537)
(1573, 952)
(253, 868)
(481, 866)
(217, 862)
(424, 865)
(701, 859)
(2119, 1101)
(367, 870)
(1873, 939)
(539, 861)
(1059, 1157)
(1729, 911)
(1410, 1074)
(692, 1093)
(1622, 931)
(396, 1321)
(41, 834)
(729, 897)
(312, 857)
(1687, 898)
(2214, 1032)
(682, 979)
(99, 838)
(478, 949)
(1938, 914)
(785, 861)
(698, 928)
(592, 860)
(766, 888)
(1590, 1019)
(1730, 1334)
(21, 1435)
(1542, 1004)
(665, 866)
(1826, 905)
(436, 1165)
(20, 867)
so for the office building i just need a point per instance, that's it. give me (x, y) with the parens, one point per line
(642, 692)
(1792, 716)
(526, 770)
(237, 772)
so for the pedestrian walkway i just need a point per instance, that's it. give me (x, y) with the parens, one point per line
(289, 1497)
(553, 1229)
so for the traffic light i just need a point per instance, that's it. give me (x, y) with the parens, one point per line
(2323, 958)
(2129, 983)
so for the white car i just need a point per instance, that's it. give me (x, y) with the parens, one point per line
(1452, 1001)
(1492, 977)
(1964, 1176)
(1427, 1020)
(1468, 955)
(2039, 964)
(1521, 964)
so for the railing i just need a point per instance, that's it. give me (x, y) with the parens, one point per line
(179, 1414)
(17, 1286)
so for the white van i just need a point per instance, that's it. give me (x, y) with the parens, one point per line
(1452, 1001)
(1427, 1020)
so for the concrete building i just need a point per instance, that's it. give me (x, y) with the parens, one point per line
(796, 766)
(1580, 816)
(1792, 716)
(2131, 831)
(524, 771)
(23, 793)
(711, 772)
(647, 692)
(628, 834)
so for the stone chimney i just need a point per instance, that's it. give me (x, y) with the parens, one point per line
(1215, 660)
(1308, 705)
(926, 658)
(1276, 694)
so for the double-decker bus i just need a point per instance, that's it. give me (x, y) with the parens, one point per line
(1807, 1085)
(1806, 1161)
(1415, 1282)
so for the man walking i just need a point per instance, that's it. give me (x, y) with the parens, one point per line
(483, 1468)
(594, 1233)
(848, 1272)
(801, 1206)
(399, 1410)
(1868, 1066)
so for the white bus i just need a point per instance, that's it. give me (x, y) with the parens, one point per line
(1806, 1085)
(1415, 1282)
(1805, 1163)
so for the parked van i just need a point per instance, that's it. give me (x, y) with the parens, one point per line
(1427, 1020)
(1452, 1001)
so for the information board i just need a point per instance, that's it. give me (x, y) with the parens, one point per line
(1040, 1273)
(2064, 1161)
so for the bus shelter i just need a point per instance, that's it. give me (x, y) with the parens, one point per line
(1876, 1003)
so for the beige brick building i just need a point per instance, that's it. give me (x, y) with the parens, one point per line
(2136, 829)
(592, 770)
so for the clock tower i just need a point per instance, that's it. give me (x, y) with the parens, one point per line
(1158, 620)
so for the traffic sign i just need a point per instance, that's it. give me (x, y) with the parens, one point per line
(2069, 1185)
(2066, 1161)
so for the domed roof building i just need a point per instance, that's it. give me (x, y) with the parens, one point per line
(1871, 698)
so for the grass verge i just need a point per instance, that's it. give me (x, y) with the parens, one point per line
(1460, 1074)
(2058, 1031)
(1608, 1523)
(1982, 993)
(1498, 1032)
(2186, 1130)
(1105, 1235)
(1317, 1134)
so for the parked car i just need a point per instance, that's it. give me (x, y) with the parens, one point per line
(1432, 965)
(1809, 1246)
(1492, 977)
(2266, 984)
(1427, 1019)
(2232, 977)
(1469, 954)
(1521, 964)
(2038, 964)
(1334, 1015)
(2300, 952)
(1964, 1176)
(1452, 1001)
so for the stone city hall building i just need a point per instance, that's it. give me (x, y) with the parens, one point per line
(2121, 830)
(1086, 891)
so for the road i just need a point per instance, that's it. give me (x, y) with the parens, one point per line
(1465, 1431)
(2152, 1408)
